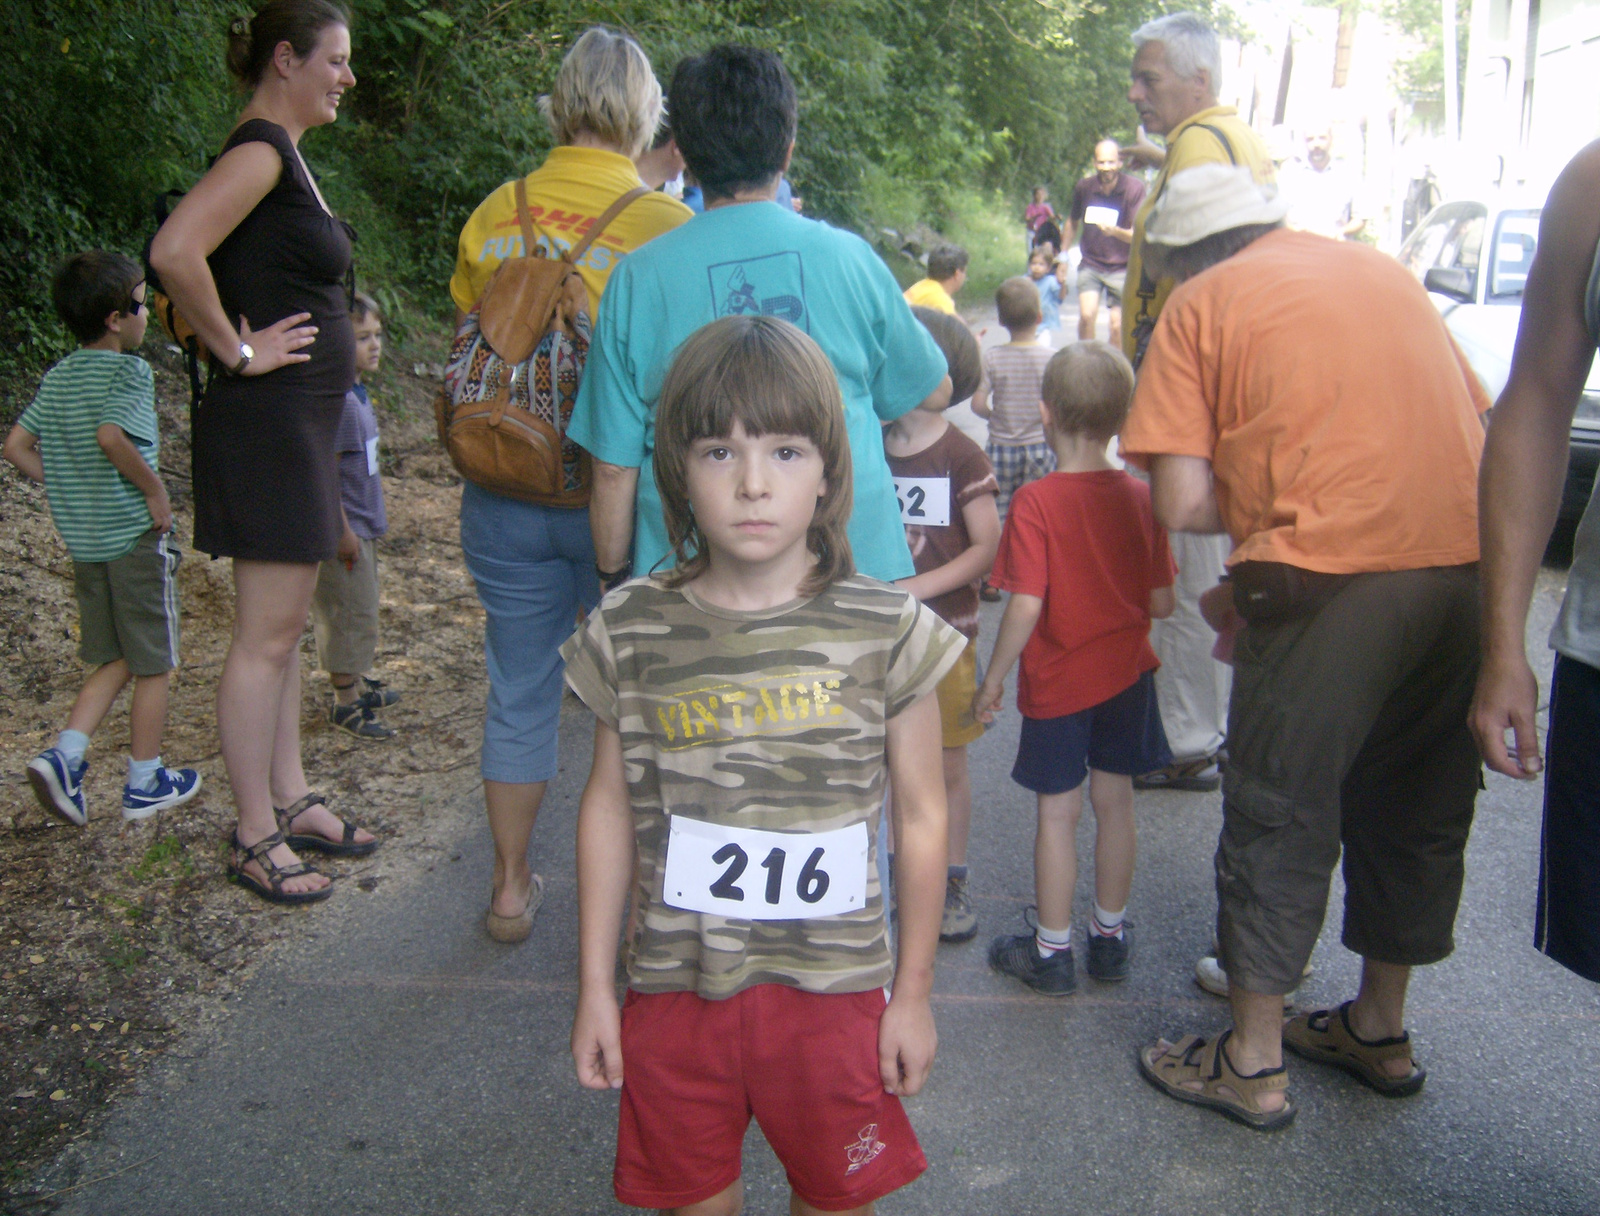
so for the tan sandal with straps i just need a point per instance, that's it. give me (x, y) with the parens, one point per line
(1174, 1067)
(272, 889)
(1323, 1036)
(513, 929)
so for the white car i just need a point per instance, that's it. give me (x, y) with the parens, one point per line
(1473, 257)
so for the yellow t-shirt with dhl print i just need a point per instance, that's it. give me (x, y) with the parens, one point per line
(1190, 143)
(772, 721)
(566, 195)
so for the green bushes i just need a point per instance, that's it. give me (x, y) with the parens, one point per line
(942, 108)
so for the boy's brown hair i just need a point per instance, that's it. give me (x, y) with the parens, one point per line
(772, 379)
(89, 287)
(363, 306)
(1018, 303)
(1087, 389)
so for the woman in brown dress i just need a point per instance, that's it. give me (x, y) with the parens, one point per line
(257, 263)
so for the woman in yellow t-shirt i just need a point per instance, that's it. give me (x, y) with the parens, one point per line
(534, 566)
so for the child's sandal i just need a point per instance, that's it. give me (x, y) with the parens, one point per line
(272, 889)
(345, 846)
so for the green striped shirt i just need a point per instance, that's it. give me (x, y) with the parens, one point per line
(98, 511)
(769, 720)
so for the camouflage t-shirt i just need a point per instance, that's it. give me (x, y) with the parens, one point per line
(769, 720)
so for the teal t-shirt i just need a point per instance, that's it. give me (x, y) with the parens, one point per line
(98, 511)
(758, 258)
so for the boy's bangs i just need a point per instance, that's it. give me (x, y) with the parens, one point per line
(769, 400)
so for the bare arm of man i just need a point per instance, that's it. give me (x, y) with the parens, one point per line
(611, 514)
(1183, 495)
(1525, 459)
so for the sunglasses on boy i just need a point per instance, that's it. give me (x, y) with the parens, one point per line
(135, 304)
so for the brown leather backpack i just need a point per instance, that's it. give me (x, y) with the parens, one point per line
(512, 376)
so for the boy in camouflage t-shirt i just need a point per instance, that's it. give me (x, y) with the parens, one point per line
(752, 704)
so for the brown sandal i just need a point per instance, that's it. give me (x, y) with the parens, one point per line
(346, 846)
(513, 929)
(1169, 1066)
(1323, 1036)
(271, 890)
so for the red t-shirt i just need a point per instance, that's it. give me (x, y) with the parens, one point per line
(1088, 545)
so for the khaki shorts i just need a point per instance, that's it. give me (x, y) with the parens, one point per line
(128, 607)
(956, 691)
(1348, 733)
(344, 613)
(1109, 281)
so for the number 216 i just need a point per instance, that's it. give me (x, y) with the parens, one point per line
(811, 884)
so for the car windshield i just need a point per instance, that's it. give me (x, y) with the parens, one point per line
(1515, 240)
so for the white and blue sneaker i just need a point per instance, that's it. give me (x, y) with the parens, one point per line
(59, 784)
(173, 787)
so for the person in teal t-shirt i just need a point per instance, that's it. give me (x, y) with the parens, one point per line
(745, 255)
(91, 436)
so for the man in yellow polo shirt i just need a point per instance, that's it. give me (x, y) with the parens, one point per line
(1176, 71)
(947, 271)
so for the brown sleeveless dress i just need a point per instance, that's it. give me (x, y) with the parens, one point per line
(266, 475)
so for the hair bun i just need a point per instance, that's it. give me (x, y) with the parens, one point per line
(240, 26)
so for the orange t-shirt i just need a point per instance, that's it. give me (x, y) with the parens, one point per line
(1339, 416)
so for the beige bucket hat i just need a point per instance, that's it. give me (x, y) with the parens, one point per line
(1209, 199)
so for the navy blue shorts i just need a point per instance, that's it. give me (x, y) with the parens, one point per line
(1567, 927)
(1121, 735)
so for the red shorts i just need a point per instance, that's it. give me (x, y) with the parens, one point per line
(804, 1064)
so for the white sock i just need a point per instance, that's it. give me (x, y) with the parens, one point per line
(142, 773)
(1052, 941)
(74, 743)
(1107, 924)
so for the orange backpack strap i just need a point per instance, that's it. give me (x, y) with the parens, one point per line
(610, 213)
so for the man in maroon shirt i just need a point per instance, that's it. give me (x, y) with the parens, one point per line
(1104, 204)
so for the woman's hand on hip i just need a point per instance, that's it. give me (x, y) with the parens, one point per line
(277, 345)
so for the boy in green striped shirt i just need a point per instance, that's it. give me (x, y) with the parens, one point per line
(92, 438)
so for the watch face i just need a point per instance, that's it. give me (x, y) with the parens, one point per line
(246, 351)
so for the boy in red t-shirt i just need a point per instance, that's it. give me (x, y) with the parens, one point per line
(1087, 567)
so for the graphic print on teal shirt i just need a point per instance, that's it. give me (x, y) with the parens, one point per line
(770, 286)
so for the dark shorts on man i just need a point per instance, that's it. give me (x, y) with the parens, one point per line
(805, 1064)
(1109, 283)
(1348, 728)
(128, 607)
(1120, 735)
(1567, 927)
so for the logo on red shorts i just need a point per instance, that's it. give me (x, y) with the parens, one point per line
(865, 1150)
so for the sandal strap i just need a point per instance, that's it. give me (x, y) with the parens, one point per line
(1379, 1050)
(287, 815)
(1216, 1069)
(259, 853)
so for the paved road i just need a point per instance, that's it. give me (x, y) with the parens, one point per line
(407, 1064)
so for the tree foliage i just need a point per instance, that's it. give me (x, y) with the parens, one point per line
(103, 103)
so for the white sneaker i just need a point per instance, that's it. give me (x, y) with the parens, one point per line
(1208, 973)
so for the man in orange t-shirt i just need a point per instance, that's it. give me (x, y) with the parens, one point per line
(1304, 397)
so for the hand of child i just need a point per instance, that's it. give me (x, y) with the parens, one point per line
(160, 509)
(277, 345)
(907, 1044)
(986, 701)
(597, 1041)
(1216, 607)
(349, 548)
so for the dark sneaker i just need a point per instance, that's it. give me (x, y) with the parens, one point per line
(960, 923)
(59, 785)
(1109, 956)
(360, 721)
(377, 696)
(1018, 956)
(173, 787)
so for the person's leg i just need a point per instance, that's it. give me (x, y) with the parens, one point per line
(1115, 838)
(147, 715)
(271, 600)
(727, 1203)
(98, 694)
(1055, 858)
(1191, 686)
(1256, 1044)
(958, 796)
(513, 811)
(1114, 315)
(1088, 312)
(799, 1207)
